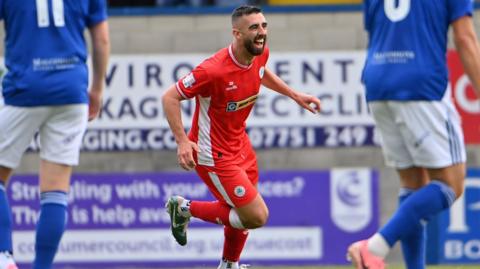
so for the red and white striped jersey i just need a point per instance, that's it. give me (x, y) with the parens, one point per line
(225, 92)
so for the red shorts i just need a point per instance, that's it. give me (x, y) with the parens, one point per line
(233, 184)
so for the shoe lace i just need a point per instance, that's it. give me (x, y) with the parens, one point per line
(244, 266)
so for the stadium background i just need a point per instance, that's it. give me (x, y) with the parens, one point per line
(315, 27)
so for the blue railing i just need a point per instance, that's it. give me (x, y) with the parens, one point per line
(151, 11)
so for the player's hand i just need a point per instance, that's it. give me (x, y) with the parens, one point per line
(185, 154)
(309, 102)
(95, 104)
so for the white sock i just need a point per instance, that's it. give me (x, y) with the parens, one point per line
(185, 208)
(224, 264)
(378, 246)
(234, 219)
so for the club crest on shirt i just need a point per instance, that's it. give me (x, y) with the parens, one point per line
(239, 191)
(188, 80)
(261, 72)
(234, 106)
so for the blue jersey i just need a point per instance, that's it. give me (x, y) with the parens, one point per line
(45, 50)
(406, 57)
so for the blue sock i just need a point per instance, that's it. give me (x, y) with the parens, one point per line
(50, 227)
(5, 221)
(413, 244)
(420, 206)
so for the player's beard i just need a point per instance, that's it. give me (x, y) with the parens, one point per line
(252, 49)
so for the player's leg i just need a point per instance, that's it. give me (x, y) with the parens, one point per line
(60, 139)
(6, 246)
(396, 154)
(446, 185)
(436, 140)
(17, 128)
(54, 182)
(5, 214)
(236, 186)
(233, 244)
(254, 214)
(413, 244)
(235, 239)
(239, 204)
(232, 188)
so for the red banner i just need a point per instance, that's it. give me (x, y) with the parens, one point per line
(465, 99)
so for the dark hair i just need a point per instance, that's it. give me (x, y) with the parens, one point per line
(243, 11)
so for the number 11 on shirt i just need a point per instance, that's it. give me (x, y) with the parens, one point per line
(43, 19)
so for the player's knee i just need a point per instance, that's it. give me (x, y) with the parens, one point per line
(256, 220)
(458, 189)
(5, 173)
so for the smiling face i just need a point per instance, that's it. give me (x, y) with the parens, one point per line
(250, 30)
(255, 36)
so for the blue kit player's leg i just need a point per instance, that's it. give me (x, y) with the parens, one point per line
(413, 244)
(420, 206)
(5, 221)
(403, 127)
(6, 259)
(50, 228)
(60, 137)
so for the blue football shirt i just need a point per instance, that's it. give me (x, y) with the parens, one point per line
(45, 50)
(406, 57)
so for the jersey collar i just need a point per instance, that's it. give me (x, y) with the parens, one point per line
(230, 52)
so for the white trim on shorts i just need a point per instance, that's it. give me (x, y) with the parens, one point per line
(218, 185)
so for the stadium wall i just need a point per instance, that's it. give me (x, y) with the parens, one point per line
(208, 33)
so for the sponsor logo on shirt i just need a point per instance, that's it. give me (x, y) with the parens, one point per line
(60, 63)
(234, 106)
(188, 81)
(261, 72)
(231, 86)
(393, 57)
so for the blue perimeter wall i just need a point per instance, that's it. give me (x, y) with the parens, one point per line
(151, 11)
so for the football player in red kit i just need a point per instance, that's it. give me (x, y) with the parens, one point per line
(225, 87)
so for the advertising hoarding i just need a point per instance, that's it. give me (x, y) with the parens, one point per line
(119, 219)
(454, 235)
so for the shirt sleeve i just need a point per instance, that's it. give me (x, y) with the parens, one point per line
(195, 83)
(459, 8)
(97, 12)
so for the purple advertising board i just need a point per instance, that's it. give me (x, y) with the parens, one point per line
(119, 219)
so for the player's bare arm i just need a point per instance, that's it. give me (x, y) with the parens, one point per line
(468, 48)
(100, 52)
(273, 82)
(171, 104)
